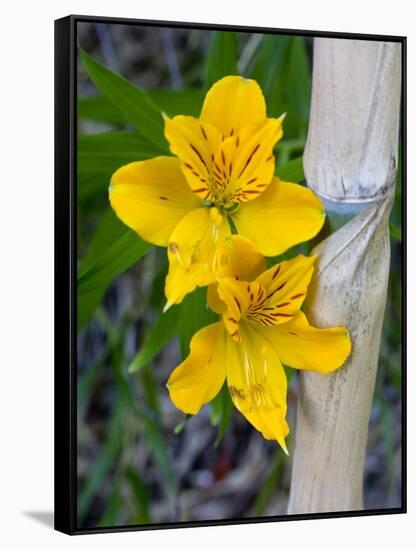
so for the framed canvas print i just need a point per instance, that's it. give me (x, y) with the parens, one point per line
(230, 284)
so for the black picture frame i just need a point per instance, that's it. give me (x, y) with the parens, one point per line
(65, 271)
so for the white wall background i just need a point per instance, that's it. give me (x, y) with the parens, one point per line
(26, 270)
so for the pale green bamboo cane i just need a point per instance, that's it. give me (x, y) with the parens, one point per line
(350, 161)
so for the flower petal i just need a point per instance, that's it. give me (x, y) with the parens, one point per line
(238, 258)
(302, 346)
(194, 143)
(214, 301)
(286, 286)
(199, 378)
(244, 164)
(233, 102)
(151, 197)
(284, 215)
(258, 384)
(240, 297)
(192, 252)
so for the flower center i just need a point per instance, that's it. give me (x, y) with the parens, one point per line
(224, 206)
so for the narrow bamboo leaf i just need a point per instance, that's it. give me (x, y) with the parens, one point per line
(104, 153)
(194, 314)
(216, 410)
(140, 494)
(282, 69)
(181, 425)
(156, 297)
(292, 171)
(100, 109)
(151, 390)
(109, 229)
(299, 78)
(221, 412)
(395, 232)
(221, 57)
(112, 252)
(128, 400)
(97, 182)
(298, 84)
(99, 155)
(121, 255)
(173, 102)
(269, 485)
(158, 449)
(87, 304)
(269, 67)
(161, 333)
(106, 459)
(248, 53)
(133, 103)
(179, 102)
(113, 506)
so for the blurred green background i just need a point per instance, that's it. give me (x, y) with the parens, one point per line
(139, 459)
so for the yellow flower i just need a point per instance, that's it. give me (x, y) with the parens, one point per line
(262, 328)
(223, 170)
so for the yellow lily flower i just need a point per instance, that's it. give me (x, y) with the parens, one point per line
(262, 328)
(224, 171)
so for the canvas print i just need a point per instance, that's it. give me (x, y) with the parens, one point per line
(239, 275)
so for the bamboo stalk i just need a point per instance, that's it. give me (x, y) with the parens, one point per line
(350, 161)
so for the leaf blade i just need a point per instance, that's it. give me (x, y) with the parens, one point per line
(194, 314)
(292, 170)
(121, 255)
(99, 108)
(221, 57)
(109, 239)
(161, 333)
(100, 155)
(395, 232)
(132, 102)
(222, 412)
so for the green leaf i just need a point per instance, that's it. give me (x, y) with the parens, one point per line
(105, 461)
(173, 102)
(133, 103)
(100, 109)
(221, 56)
(194, 314)
(87, 304)
(108, 151)
(160, 334)
(292, 170)
(179, 102)
(99, 155)
(298, 85)
(156, 444)
(113, 505)
(282, 69)
(269, 485)
(152, 435)
(109, 229)
(181, 425)
(140, 495)
(113, 249)
(121, 255)
(221, 412)
(395, 232)
(269, 68)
